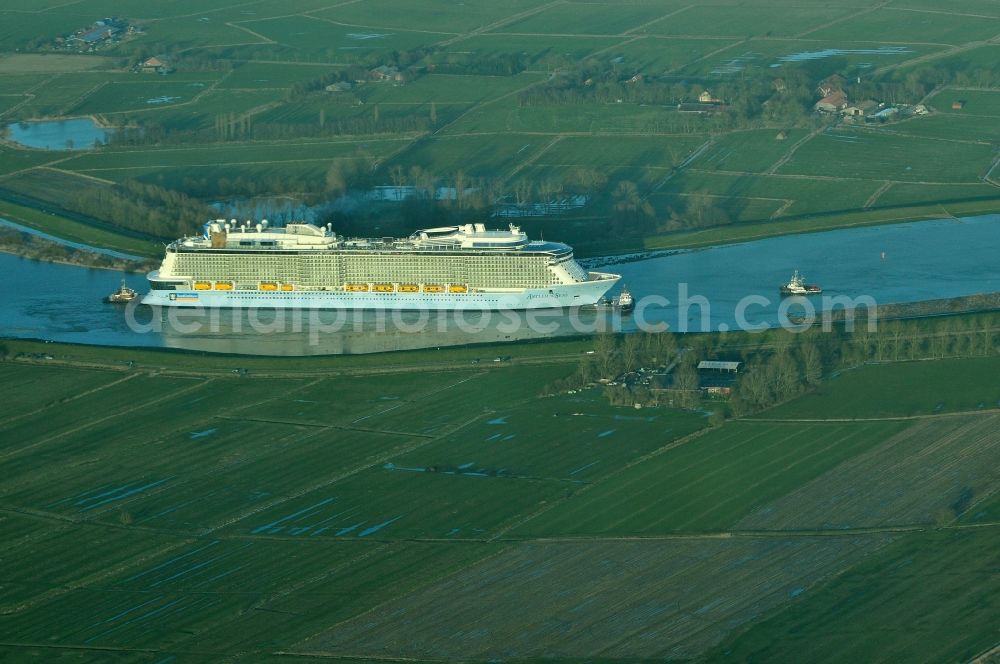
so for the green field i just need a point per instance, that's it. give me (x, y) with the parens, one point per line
(943, 584)
(953, 126)
(977, 103)
(446, 89)
(658, 55)
(763, 56)
(807, 194)
(903, 194)
(590, 19)
(141, 93)
(871, 155)
(542, 50)
(920, 27)
(981, 7)
(727, 21)
(62, 94)
(751, 151)
(476, 155)
(876, 391)
(709, 483)
(269, 76)
(628, 157)
(340, 507)
(229, 154)
(311, 38)
(602, 119)
(432, 15)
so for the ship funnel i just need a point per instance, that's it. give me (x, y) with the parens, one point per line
(259, 228)
(329, 227)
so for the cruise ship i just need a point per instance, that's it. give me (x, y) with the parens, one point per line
(306, 266)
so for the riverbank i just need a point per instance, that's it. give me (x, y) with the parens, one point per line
(32, 247)
(63, 225)
(736, 233)
(952, 306)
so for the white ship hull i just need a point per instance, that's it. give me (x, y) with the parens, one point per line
(554, 297)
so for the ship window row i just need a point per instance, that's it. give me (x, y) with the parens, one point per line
(318, 270)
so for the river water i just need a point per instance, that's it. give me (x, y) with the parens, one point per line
(726, 287)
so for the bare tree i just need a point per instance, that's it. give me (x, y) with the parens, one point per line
(605, 353)
(685, 383)
(812, 364)
(398, 176)
(630, 352)
(460, 188)
(522, 190)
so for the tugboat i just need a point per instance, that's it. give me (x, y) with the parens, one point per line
(123, 295)
(797, 286)
(624, 302)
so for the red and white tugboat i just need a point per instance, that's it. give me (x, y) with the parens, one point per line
(797, 286)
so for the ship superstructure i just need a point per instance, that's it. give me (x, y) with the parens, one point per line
(306, 266)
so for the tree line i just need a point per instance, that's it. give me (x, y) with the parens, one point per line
(776, 366)
(143, 208)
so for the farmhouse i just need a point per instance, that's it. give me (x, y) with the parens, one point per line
(339, 86)
(832, 103)
(100, 32)
(706, 98)
(386, 73)
(860, 110)
(717, 377)
(958, 105)
(154, 65)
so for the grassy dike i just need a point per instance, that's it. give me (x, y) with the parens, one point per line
(747, 232)
(78, 231)
(541, 352)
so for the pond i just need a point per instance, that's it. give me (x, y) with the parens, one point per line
(66, 134)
